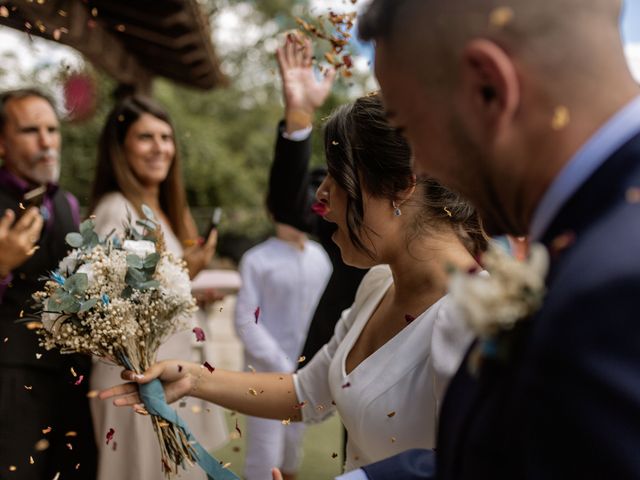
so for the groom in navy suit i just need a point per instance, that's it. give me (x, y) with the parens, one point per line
(527, 107)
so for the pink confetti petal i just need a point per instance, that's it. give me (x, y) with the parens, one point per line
(79, 380)
(199, 334)
(208, 367)
(257, 313)
(110, 435)
(346, 385)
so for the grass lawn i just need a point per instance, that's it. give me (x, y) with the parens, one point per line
(321, 442)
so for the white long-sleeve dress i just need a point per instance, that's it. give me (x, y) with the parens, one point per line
(133, 454)
(389, 403)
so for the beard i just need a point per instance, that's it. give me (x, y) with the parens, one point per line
(477, 185)
(41, 170)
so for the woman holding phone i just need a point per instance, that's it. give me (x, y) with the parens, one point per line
(138, 163)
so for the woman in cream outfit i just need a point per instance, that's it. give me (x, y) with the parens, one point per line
(138, 164)
(394, 351)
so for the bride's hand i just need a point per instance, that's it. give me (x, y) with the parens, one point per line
(177, 377)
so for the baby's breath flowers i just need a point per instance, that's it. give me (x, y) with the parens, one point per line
(119, 298)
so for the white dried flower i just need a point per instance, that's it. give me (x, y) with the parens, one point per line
(512, 290)
(142, 248)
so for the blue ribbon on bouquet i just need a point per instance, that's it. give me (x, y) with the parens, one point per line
(152, 395)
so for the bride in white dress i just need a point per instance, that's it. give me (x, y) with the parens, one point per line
(138, 164)
(393, 352)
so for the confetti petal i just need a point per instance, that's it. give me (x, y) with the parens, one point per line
(110, 435)
(199, 334)
(208, 367)
(501, 17)
(346, 385)
(561, 118)
(409, 318)
(391, 414)
(79, 380)
(256, 313)
(238, 429)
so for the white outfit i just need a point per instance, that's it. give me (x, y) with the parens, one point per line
(389, 403)
(137, 456)
(285, 283)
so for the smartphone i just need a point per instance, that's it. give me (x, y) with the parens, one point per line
(216, 216)
(33, 198)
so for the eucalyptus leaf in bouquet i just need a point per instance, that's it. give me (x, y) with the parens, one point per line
(120, 298)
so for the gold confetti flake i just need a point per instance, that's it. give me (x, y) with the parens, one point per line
(56, 476)
(333, 142)
(73, 372)
(121, 28)
(253, 392)
(31, 460)
(251, 367)
(393, 439)
(46, 430)
(28, 387)
(448, 212)
(501, 17)
(94, 12)
(56, 34)
(12, 468)
(286, 421)
(301, 359)
(561, 118)
(163, 424)
(92, 394)
(633, 195)
(62, 13)
(69, 446)
(41, 445)
(6, 339)
(391, 414)
(226, 465)
(196, 409)
(34, 325)
(71, 433)
(40, 2)
(4, 11)
(22, 314)
(20, 205)
(77, 466)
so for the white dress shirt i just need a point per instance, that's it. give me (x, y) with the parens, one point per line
(285, 283)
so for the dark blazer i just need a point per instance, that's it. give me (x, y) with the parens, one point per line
(291, 194)
(567, 403)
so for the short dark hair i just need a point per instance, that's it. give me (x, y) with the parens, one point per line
(377, 20)
(365, 153)
(19, 94)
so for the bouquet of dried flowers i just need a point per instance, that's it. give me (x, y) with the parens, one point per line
(119, 298)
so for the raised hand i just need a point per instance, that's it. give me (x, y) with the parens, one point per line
(18, 240)
(303, 92)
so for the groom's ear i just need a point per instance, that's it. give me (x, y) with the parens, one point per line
(489, 87)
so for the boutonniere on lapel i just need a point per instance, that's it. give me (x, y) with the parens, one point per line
(495, 301)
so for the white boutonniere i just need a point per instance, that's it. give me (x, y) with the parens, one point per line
(511, 291)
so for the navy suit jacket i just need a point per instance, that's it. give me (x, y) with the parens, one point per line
(567, 403)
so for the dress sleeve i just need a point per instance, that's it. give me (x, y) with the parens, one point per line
(256, 338)
(111, 214)
(450, 341)
(312, 382)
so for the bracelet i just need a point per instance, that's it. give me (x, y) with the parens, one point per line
(196, 382)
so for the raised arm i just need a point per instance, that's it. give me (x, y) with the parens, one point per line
(290, 196)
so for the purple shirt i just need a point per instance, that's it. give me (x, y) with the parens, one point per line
(19, 186)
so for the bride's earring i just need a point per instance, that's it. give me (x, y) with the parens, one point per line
(396, 209)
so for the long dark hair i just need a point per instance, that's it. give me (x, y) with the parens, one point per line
(113, 173)
(365, 153)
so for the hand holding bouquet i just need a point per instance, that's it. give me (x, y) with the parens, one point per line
(119, 299)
